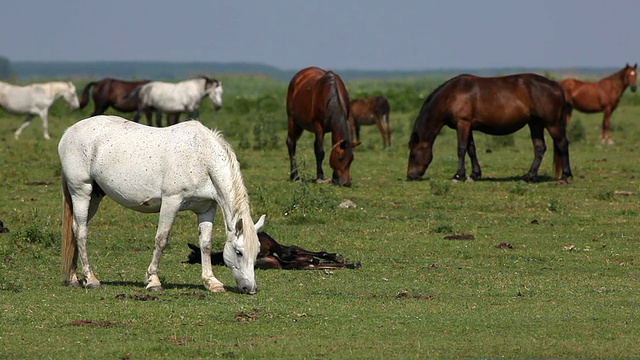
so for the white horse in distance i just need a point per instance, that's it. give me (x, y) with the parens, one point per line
(184, 96)
(165, 170)
(36, 99)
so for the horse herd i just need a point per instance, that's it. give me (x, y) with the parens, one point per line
(200, 172)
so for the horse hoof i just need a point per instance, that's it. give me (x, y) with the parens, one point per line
(562, 182)
(217, 288)
(155, 288)
(469, 180)
(74, 283)
(93, 285)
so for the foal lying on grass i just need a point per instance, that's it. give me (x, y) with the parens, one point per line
(273, 255)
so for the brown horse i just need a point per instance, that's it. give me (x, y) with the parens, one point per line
(274, 255)
(318, 101)
(496, 106)
(369, 111)
(110, 92)
(600, 96)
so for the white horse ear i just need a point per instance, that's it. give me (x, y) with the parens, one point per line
(260, 223)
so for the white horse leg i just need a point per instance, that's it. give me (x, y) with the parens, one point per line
(168, 211)
(45, 124)
(26, 123)
(73, 277)
(83, 201)
(205, 229)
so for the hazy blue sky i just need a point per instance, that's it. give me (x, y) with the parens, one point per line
(336, 34)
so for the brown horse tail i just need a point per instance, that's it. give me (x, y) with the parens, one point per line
(68, 239)
(85, 94)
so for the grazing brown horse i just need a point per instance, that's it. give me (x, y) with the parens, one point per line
(110, 92)
(369, 111)
(318, 101)
(273, 255)
(600, 96)
(495, 106)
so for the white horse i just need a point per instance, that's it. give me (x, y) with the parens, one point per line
(166, 170)
(36, 99)
(184, 96)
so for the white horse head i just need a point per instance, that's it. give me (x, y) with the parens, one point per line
(240, 253)
(214, 91)
(68, 93)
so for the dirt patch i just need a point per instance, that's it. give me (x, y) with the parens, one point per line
(178, 341)
(137, 297)
(460, 237)
(104, 324)
(405, 294)
(39, 183)
(504, 245)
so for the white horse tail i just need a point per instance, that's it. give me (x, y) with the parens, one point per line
(68, 239)
(85, 94)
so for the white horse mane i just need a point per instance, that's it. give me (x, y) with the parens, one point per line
(240, 205)
(241, 198)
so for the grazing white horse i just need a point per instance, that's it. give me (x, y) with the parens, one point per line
(184, 96)
(36, 99)
(165, 170)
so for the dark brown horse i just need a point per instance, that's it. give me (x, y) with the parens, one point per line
(600, 96)
(273, 255)
(318, 101)
(496, 106)
(369, 111)
(110, 92)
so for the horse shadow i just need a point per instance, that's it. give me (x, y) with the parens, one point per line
(539, 179)
(165, 286)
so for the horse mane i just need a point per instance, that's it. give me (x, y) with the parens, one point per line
(335, 104)
(240, 200)
(617, 76)
(422, 114)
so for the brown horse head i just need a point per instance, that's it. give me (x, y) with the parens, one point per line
(630, 74)
(340, 161)
(420, 156)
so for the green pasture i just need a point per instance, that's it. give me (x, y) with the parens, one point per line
(567, 284)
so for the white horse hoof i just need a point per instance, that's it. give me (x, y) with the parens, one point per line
(72, 283)
(155, 288)
(92, 285)
(217, 288)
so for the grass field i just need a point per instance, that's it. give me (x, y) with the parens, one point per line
(567, 287)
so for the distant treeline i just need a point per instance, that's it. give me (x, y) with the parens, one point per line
(31, 70)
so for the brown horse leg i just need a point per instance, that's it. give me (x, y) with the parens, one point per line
(149, 115)
(464, 129)
(382, 131)
(99, 108)
(605, 133)
(560, 152)
(539, 148)
(292, 138)
(159, 118)
(476, 173)
(319, 152)
(385, 121)
(357, 127)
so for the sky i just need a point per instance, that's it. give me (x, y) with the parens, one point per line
(333, 34)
